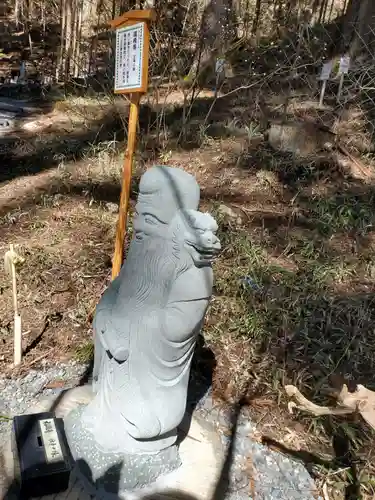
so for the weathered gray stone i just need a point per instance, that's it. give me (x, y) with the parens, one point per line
(145, 327)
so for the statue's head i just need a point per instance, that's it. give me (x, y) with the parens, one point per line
(162, 192)
(195, 232)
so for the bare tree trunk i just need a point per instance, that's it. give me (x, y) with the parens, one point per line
(323, 7)
(68, 39)
(246, 19)
(77, 40)
(17, 12)
(314, 8)
(359, 28)
(71, 39)
(91, 54)
(29, 11)
(331, 11)
(89, 17)
(356, 31)
(126, 5)
(72, 49)
(43, 15)
(291, 13)
(344, 7)
(364, 36)
(325, 10)
(217, 33)
(254, 28)
(60, 67)
(278, 11)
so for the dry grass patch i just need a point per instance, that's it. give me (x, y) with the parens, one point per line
(293, 300)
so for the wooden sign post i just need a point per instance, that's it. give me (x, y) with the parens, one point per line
(343, 70)
(131, 77)
(324, 77)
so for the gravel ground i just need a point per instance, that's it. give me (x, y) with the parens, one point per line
(17, 395)
(274, 476)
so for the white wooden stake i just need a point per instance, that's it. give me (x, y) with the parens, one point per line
(17, 340)
(219, 70)
(10, 266)
(339, 92)
(324, 76)
(17, 318)
(343, 70)
(322, 92)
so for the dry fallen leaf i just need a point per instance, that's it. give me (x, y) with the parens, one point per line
(251, 472)
(55, 384)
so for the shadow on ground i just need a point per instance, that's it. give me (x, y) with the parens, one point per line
(297, 292)
(296, 288)
(111, 479)
(46, 154)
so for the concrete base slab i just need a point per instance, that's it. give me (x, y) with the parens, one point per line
(200, 450)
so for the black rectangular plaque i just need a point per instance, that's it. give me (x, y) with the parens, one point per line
(42, 457)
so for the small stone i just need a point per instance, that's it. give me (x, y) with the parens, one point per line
(229, 213)
(112, 207)
(225, 210)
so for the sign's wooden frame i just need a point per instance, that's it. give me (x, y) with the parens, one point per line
(130, 19)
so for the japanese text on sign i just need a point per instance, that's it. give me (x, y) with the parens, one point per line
(51, 441)
(219, 66)
(344, 64)
(326, 70)
(129, 57)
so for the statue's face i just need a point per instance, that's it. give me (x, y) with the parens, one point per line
(200, 238)
(162, 192)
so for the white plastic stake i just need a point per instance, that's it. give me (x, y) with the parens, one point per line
(324, 76)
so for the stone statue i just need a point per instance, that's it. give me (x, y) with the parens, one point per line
(162, 191)
(145, 327)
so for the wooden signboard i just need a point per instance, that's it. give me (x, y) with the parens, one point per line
(131, 69)
(131, 77)
(324, 77)
(344, 64)
(326, 70)
(132, 51)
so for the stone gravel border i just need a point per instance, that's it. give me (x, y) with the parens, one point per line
(256, 468)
